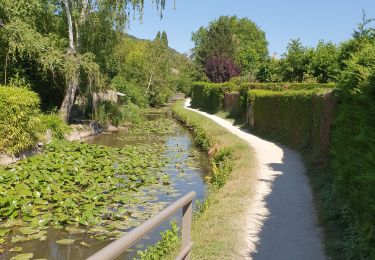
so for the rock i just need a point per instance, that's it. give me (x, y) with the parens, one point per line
(112, 128)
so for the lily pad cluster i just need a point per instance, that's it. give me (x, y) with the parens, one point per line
(80, 188)
(158, 126)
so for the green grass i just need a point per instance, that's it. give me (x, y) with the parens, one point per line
(218, 232)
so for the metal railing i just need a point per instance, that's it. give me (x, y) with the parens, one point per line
(118, 247)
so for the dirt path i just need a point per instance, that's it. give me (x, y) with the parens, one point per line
(282, 222)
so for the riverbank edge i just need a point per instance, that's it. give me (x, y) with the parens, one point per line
(218, 230)
(78, 132)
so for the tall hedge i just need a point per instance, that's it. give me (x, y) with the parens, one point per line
(296, 117)
(353, 162)
(210, 96)
(19, 110)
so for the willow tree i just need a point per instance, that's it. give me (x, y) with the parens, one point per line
(77, 14)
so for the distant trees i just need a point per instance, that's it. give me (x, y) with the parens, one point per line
(303, 64)
(162, 37)
(229, 40)
(148, 71)
(64, 44)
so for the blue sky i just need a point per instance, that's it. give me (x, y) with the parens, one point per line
(311, 21)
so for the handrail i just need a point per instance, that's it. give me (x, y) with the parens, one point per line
(119, 246)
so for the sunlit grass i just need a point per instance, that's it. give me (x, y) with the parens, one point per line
(219, 232)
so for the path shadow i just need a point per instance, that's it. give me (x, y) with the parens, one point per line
(290, 231)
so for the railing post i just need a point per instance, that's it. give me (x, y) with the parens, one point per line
(187, 216)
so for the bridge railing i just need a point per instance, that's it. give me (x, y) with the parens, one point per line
(119, 246)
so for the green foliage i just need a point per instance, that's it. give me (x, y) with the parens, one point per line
(19, 119)
(169, 241)
(108, 113)
(303, 64)
(222, 166)
(324, 64)
(149, 72)
(131, 89)
(275, 113)
(229, 36)
(54, 123)
(81, 185)
(159, 126)
(295, 63)
(353, 153)
(210, 96)
(221, 159)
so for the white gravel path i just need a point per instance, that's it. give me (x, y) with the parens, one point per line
(282, 222)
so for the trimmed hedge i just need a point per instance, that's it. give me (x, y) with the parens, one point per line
(294, 116)
(353, 164)
(210, 96)
(19, 111)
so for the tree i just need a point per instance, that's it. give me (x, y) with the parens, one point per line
(76, 13)
(158, 36)
(221, 69)
(164, 38)
(295, 63)
(239, 39)
(270, 71)
(324, 63)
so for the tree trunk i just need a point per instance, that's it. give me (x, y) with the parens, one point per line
(72, 82)
(70, 94)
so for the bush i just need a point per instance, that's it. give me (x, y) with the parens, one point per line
(221, 69)
(108, 113)
(295, 117)
(112, 113)
(221, 159)
(210, 96)
(353, 153)
(19, 119)
(53, 122)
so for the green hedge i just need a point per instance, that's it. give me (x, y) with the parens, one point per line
(293, 116)
(19, 110)
(210, 96)
(353, 164)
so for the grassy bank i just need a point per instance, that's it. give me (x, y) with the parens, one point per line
(218, 232)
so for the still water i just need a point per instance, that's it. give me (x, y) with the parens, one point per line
(186, 166)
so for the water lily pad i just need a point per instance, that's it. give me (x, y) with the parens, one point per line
(2, 240)
(19, 239)
(4, 232)
(73, 230)
(16, 249)
(23, 256)
(65, 241)
(28, 230)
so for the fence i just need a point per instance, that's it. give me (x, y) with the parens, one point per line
(118, 247)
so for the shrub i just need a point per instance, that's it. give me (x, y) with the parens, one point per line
(112, 113)
(53, 122)
(210, 96)
(108, 113)
(353, 153)
(169, 241)
(221, 69)
(295, 117)
(19, 121)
